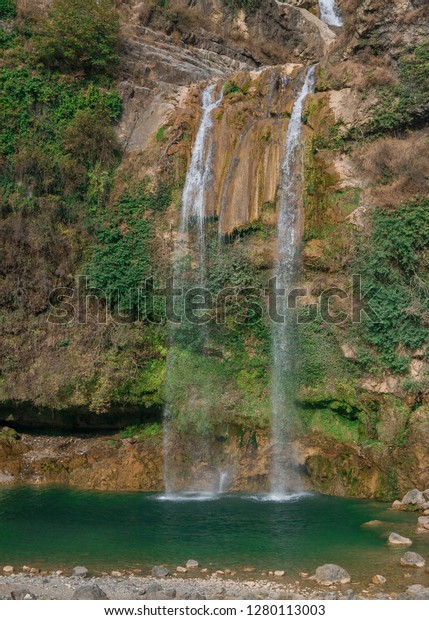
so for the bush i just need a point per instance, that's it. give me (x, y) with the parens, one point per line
(393, 261)
(406, 104)
(121, 261)
(80, 35)
(7, 9)
(34, 169)
(90, 139)
(142, 431)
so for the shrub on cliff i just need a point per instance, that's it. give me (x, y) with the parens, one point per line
(7, 9)
(406, 104)
(79, 35)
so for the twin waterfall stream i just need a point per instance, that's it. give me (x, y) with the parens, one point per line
(283, 479)
(189, 271)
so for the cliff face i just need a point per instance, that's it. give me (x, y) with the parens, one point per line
(362, 388)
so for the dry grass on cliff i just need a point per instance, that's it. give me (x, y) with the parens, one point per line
(31, 8)
(397, 169)
(368, 73)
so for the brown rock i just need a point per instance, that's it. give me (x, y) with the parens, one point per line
(379, 580)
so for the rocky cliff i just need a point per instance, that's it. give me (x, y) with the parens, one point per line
(362, 391)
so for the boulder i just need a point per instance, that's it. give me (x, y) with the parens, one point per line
(80, 571)
(23, 595)
(412, 559)
(170, 592)
(192, 564)
(90, 593)
(379, 580)
(418, 591)
(397, 505)
(279, 573)
(8, 570)
(330, 574)
(181, 569)
(160, 571)
(422, 525)
(147, 593)
(396, 540)
(413, 498)
(426, 495)
(374, 523)
(155, 591)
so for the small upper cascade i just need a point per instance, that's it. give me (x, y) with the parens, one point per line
(282, 397)
(330, 13)
(199, 173)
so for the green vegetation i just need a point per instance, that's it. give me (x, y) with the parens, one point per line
(79, 36)
(58, 153)
(327, 423)
(7, 9)
(160, 134)
(121, 260)
(407, 103)
(141, 432)
(54, 134)
(393, 261)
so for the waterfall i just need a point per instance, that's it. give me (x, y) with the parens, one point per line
(190, 248)
(199, 175)
(329, 13)
(283, 479)
(223, 479)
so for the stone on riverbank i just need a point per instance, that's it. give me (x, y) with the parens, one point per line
(160, 571)
(396, 540)
(80, 571)
(330, 574)
(412, 559)
(181, 569)
(413, 498)
(90, 593)
(23, 595)
(192, 564)
(418, 592)
(154, 592)
(8, 570)
(279, 573)
(379, 580)
(422, 525)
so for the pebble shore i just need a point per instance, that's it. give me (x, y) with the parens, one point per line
(131, 587)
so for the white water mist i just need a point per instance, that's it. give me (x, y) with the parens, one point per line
(283, 479)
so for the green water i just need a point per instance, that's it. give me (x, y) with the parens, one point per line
(60, 528)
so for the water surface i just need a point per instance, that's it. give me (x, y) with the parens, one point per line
(60, 528)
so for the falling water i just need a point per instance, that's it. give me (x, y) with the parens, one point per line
(223, 480)
(199, 175)
(330, 13)
(191, 244)
(283, 479)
